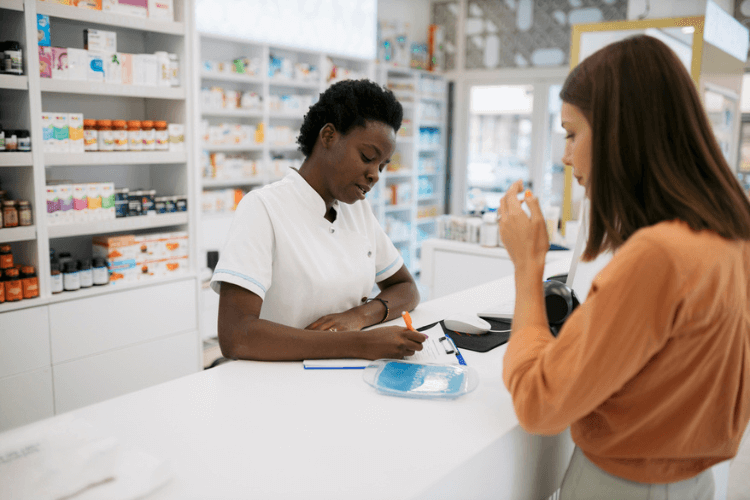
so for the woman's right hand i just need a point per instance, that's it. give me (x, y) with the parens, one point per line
(393, 342)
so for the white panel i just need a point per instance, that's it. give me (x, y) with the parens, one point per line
(24, 337)
(96, 378)
(88, 326)
(25, 398)
(455, 271)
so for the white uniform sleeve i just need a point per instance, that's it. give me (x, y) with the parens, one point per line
(388, 259)
(247, 257)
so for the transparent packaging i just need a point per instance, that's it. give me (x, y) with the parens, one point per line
(420, 380)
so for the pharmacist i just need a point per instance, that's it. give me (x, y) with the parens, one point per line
(304, 253)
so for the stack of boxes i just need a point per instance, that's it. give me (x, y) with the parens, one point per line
(162, 10)
(62, 132)
(132, 258)
(100, 62)
(72, 203)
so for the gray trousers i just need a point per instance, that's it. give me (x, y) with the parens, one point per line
(583, 480)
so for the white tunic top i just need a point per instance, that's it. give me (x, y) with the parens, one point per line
(281, 248)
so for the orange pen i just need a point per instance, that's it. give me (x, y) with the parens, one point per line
(407, 320)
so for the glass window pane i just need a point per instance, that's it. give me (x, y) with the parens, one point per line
(499, 147)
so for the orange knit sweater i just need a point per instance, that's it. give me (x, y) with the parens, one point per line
(652, 371)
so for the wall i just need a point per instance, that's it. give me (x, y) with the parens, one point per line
(414, 12)
(673, 8)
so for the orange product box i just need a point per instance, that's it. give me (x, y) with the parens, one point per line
(62, 2)
(87, 4)
(115, 248)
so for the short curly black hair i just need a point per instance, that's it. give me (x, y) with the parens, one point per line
(348, 104)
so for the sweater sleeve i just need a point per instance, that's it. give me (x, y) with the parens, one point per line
(626, 319)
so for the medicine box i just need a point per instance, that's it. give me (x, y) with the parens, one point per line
(88, 4)
(126, 68)
(80, 203)
(113, 68)
(65, 197)
(60, 63)
(75, 132)
(95, 70)
(138, 8)
(176, 136)
(48, 132)
(42, 30)
(100, 41)
(94, 201)
(61, 2)
(45, 62)
(78, 64)
(53, 205)
(107, 192)
(60, 127)
(148, 67)
(162, 10)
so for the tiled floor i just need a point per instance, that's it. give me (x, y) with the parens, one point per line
(739, 471)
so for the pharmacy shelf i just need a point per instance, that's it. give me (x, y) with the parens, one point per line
(233, 113)
(12, 5)
(426, 220)
(225, 183)
(232, 148)
(284, 82)
(118, 225)
(230, 77)
(286, 115)
(16, 160)
(404, 139)
(398, 208)
(22, 304)
(430, 124)
(17, 82)
(11, 234)
(429, 148)
(109, 18)
(428, 174)
(114, 158)
(433, 197)
(111, 89)
(397, 174)
(431, 98)
(283, 147)
(115, 287)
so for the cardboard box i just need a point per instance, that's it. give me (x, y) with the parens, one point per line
(100, 41)
(60, 127)
(75, 132)
(65, 197)
(61, 2)
(161, 10)
(48, 133)
(80, 203)
(60, 63)
(42, 30)
(137, 8)
(45, 62)
(107, 192)
(95, 69)
(126, 68)
(163, 74)
(113, 69)
(115, 248)
(94, 201)
(176, 136)
(149, 66)
(88, 4)
(78, 64)
(53, 205)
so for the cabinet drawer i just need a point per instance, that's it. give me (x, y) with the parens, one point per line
(92, 325)
(95, 378)
(25, 398)
(24, 337)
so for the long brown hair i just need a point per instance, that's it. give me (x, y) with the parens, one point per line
(654, 155)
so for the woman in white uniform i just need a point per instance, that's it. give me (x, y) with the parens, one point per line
(304, 253)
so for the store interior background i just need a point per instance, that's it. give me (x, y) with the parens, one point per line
(488, 116)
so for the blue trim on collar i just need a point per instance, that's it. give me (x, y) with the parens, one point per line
(239, 275)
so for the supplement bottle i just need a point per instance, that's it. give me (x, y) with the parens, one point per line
(24, 213)
(30, 282)
(13, 285)
(56, 277)
(71, 278)
(85, 273)
(120, 135)
(105, 136)
(134, 136)
(90, 136)
(100, 272)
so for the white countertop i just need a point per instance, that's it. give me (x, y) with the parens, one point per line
(249, 429)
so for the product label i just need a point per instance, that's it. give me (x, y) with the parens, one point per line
(90, 140)
(13, 290)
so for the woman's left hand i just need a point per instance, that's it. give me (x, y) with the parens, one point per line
(342, 322)
(524, 237)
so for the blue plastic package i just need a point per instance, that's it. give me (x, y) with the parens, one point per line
(420, 380)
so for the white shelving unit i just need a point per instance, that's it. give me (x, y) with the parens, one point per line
(71, 333)
(421, 173)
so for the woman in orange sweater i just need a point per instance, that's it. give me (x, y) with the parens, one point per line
(652, 371)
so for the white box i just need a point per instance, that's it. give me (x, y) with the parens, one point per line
(95, 69)
(137, 8)
(59, 63)
(150, 67)
(162, 10)
(80, 203)
(113, 69)
(60, 126)
(163, 74)
(107, 192)
(48, 133)
(53, 205)
(176, 136)
(65, 196)
(75, 132)
(94, 197)
(100, 41)
(78, 63)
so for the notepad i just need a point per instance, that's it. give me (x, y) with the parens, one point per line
(436, 349)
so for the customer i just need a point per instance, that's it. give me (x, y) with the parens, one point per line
(652, 371)
(304, 253)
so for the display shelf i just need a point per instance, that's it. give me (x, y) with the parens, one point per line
(110, 89)
(21, 304)
(404, 140)
(398, 208)
(16, 160)
(114, 158)
(17, 82)
(283, 82)
(429, 148)
(426, 220)
(12, 5)
(430, 123)
(96, 291)
(287, 115)
(230, 77)
(225, 183)
(109, 19)
(432, 197)
(432, 98)
(233, 113)
(11, 234)
(398, 173)
(118, 225)
(283, 147)
(235, 148)
(429, 174)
